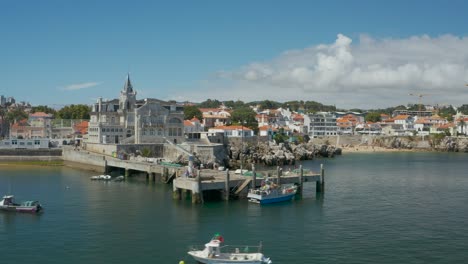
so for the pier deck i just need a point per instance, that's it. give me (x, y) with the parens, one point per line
(230, 182)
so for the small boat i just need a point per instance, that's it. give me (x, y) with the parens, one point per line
(101, 177)
(119, 178)
(272, 193)
(211, 254)
(105, 177)
(7, 204)
(239, 171)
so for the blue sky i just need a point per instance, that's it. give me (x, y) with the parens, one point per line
(347, 53)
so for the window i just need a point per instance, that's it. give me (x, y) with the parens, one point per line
(175, 121)
(37, 142)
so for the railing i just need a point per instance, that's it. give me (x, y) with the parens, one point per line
(233, 248)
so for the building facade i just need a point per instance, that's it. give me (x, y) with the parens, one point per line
(131, 121)
(323, 124)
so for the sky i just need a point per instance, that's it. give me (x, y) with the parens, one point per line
(352, 54)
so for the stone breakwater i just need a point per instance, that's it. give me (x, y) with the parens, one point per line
(272, 154)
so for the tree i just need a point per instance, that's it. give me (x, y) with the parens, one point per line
(280, 136)
(447, 112)
(463, 109)
(234, 105)
(43, 108)
(3, 121)
(12, 117)
(373, 117)
(245, 116)
(192, 111)
(74, 112)
(210, 104)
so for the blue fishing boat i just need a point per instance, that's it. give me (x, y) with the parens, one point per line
(270, 192)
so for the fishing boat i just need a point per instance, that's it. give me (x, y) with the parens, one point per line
(270, 192)
(8, 204)
(211, 254)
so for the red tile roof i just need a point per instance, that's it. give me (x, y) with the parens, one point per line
(188, 123)
(40, 114)
(81, 127)
(233, 128)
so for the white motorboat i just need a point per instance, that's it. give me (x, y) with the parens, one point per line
(212, 254)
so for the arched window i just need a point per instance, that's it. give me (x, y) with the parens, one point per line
(175, 121)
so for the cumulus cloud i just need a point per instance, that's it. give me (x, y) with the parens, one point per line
(365, 73)
(79, 86)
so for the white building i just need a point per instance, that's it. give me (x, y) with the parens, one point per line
(322, 124)
(233, 131)
(128, 120)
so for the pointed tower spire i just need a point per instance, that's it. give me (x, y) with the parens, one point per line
(128, 88)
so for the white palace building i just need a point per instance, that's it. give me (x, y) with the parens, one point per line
(130, 121)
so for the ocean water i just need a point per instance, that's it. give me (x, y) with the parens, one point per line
(377, 208)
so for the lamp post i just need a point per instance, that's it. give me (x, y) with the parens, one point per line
(242, 146)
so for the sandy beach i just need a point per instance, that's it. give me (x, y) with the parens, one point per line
(370, 149)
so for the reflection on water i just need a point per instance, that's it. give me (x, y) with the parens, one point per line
(380, 208)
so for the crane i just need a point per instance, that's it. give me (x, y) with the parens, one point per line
(419, 100)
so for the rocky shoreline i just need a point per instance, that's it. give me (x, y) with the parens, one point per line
(272, 154)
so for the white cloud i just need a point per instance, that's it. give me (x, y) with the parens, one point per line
(369, 73)
(79, 86)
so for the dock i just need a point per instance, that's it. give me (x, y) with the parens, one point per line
(230, 184)
(199, 182)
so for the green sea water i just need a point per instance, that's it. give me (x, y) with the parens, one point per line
(377, 208)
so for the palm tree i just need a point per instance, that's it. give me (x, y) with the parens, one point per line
(462, 124)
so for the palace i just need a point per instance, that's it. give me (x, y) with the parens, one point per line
(130, 121)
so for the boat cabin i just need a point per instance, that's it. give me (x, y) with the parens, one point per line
(7, 200)
(212, 248)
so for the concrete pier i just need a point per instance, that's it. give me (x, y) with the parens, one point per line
(227, 183)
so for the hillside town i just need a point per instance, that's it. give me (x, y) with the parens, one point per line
(128, 120)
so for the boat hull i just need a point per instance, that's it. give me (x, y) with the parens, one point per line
(224, 261)
(278, 199)
(21, 209)
(270, 199)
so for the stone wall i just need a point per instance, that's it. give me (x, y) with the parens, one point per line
(83, 159)
(106, 149)
(156, 150)
(31, 152)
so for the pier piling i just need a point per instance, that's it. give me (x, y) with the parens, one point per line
(197, 193)
(227, 190)
(320, 184)
(301, 179)
(254, 177)
(278, 173)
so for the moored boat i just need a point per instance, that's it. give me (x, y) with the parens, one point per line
(270, 192)
(101, 177)
(8, 204)
(211, 254)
